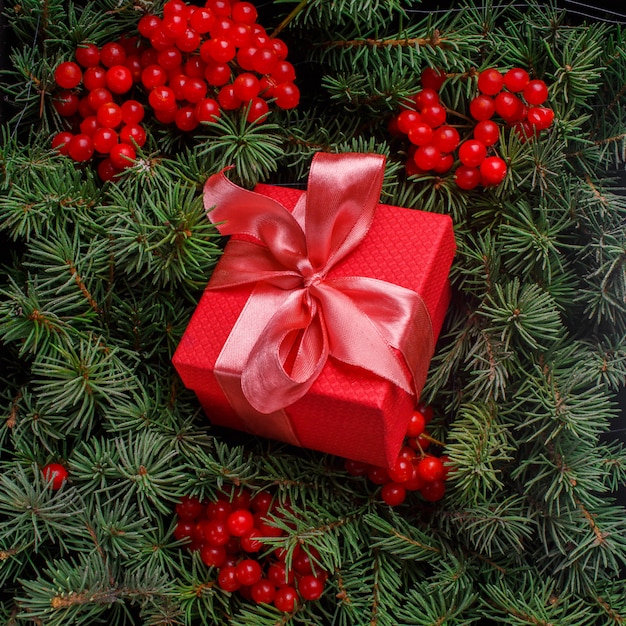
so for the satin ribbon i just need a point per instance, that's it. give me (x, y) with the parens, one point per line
(297, 315)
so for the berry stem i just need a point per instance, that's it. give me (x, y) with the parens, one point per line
(299, 7)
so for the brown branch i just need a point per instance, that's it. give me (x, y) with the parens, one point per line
(12, 419)
(81, 285)
(598, 142)
(600, 536)
(408, 42)
(613, 614)
(414, 542)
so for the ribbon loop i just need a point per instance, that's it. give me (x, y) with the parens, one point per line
(298, 315)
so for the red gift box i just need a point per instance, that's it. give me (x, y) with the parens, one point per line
(347, 410)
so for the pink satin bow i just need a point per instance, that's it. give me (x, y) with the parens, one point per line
(297, 315)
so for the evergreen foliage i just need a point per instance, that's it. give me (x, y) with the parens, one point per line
(99, 281)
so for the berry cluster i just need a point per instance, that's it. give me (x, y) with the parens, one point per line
(415, 469)
(229, 531)
(514, 97)
(188, 66)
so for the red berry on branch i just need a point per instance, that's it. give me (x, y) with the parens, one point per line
(492, 171)
(432, 78)
(251, 542)
(162, 98)
(433, 491)
(311, 587)
(133, 134)
(516, 79)
(509, 107)
(446, 138)
(132, 112)
(540, 117)
(393, 493)
(407, 119)
(213, 556)
(87, 55)
(104, 139)
(536, 92)
(184, 528)
(286, 599)
(487, 132)
(240, 522)
(467, 178)
(94, 77)
(426, 157)
(112, 53)
(430, 468)
(426, 97)
(81, 147)
(207, 110)
(68, 75)
(482, 107)
(490, 82)
(148, 24)
(189, 41)
(248, 572)
(66, 103)
(420, 134)
(263, 591)
(401, 471)
(54, 473)
(227, 578)
(201, 20)
(61, 142)
(119, 79)
(472, 152)
(122, 155)
(106, 170)
(257, 110)
(287, 95)
(99, 96)
(378, 475)
(433, 115)
(416, 425)
(109, 114)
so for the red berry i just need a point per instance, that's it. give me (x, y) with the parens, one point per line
(109, 114)
(467, 177)
(490, 82)
(133, 134)
(417, 424)
(482, 107)
(248, 572)
(94, 77)
(174, 7)
(89, 125)
(201, 20)
(426, 97)
(430, 468)
(433, 115)
(112, 53)
(61, 142)
(213, 556)
(536, 92)
(217, 74)
(264, 61)
(432, 78)
(219, 510)
(219, 7)
(426, 157)
(148, 24)
(104, 139)
(445, 163)
(173, 25)
(251, 542)
(162, 98)
(81, 147)
(446, 138)
(245, 57)
(132, 112)
(184, 528)
(280, 575)
(420, 134)
(540, 117)
(227, 578)
(401, 471)
(135, 67)
(170, 58)
(492, 171)
(415, 483)
(283, 72)
(68, 75)
(286, 599)
(378, 475)
(222, 29)
(87, 55)
(219, 50)
(207, 110)
(487, 132)
(119, 79)
(280, 48)
(257, 110)
(509, 107)
(122, 155)
(66, 103)
(433, 491)
(472, 152)
(107, 171)
(240, 522)
(55, 473)
(244, 12)
(516, 79)
(311, 587)
(287, 95)
(153, 76)
(185, 119)
(246, 86)
(216, 533)
(407, 119)
(194, 90)
(263, 591)
(99, 96)
(393, 494)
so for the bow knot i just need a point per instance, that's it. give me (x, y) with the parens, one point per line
(298, 314)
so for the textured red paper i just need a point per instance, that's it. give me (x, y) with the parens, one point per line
(349, 411)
